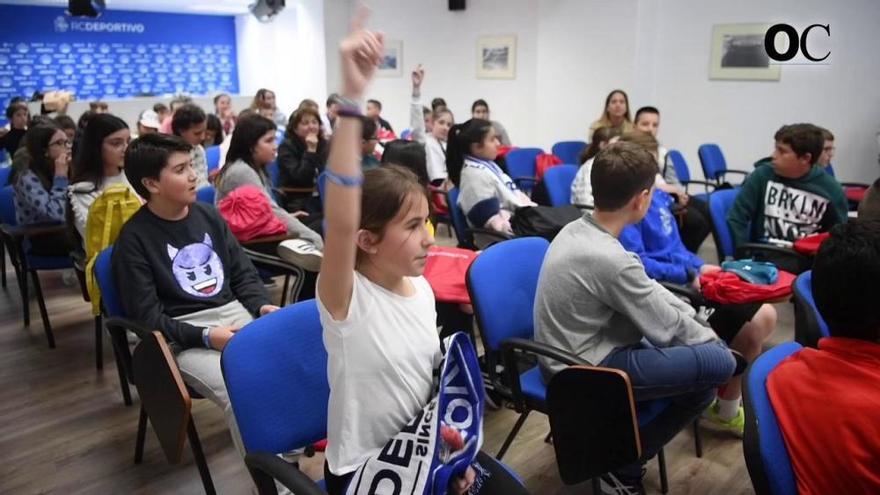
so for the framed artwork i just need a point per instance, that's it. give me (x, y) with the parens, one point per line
(392, 61)
(496, 57)
(738, 53)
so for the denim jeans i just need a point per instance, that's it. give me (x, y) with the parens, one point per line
(685, 375)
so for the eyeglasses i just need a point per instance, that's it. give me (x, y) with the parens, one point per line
(64, 142)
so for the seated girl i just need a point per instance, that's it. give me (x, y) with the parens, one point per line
(98, 165)
(581, 189)
(487, 195)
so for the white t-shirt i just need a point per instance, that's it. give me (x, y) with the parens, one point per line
(581, 187)
(381, 362)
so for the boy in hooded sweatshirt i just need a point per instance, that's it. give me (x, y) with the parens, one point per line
(792, 198)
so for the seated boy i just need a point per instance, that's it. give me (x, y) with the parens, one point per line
(827, 400)
(790, 199)
(743, 326)
(181, 269)
(595, 300)
(869, 207)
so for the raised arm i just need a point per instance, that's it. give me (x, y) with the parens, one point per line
(416, 116)
(360, 53)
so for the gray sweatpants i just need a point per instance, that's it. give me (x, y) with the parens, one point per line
(200, 368)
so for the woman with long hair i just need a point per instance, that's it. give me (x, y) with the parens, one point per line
(615, 113)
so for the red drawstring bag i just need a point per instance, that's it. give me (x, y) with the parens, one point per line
(544, 162)
(503, 151)
(809, 245)
(249, 214)
(855, 193)
(727, 288)
(446, 270)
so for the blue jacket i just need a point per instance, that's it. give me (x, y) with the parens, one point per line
(657, 242)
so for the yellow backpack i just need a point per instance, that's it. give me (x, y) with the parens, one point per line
(107, 215)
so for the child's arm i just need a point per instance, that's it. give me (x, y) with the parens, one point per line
(49, 205)
(360, 54)
(631, 239)
(416, 116)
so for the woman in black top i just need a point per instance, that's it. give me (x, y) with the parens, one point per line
(301, 158)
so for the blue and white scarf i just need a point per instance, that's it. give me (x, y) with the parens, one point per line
(473, 162)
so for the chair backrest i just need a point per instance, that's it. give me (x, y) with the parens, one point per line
(205, 194)
(720, 203)
(276, 375)
(104, 275)
(5, 172)
(456, 216)
(163, 393)
(274, 173)
(766, 456)
(593, 422)
(558, 181)
(568, 151)
(521, 162)
(712, 161)
(809, 326)
(676, 159)
(212, 157)
(7, 206)
(502, 283)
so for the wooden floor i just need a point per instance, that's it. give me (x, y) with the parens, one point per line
(65, 430)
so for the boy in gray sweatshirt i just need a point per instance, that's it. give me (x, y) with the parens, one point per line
(595, 300)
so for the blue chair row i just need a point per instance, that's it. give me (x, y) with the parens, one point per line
(714, 165)
(212, 156)
(569, 151)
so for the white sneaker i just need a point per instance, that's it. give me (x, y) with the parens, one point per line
(301, 253)
(69, 278)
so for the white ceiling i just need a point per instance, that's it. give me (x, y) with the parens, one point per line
(176, 6)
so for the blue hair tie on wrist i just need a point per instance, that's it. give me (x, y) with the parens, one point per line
(344, 180)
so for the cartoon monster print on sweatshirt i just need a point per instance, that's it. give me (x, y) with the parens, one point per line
(197, 268)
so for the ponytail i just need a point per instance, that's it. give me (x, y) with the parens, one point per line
(461, 137)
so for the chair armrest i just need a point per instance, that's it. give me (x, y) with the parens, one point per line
(518, 180)
(138, 328)
(265, 468)
(269, 239)
(730, 171)
(33, 230)
(855, 184)
(510, 347)
(583, 207)
(706, 185)
(693, 296)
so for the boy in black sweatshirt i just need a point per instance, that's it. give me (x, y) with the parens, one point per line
(180, 270)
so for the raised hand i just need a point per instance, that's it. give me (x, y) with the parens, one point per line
(360, 53)
(418, 75)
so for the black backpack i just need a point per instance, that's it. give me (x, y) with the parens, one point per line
(543, 221)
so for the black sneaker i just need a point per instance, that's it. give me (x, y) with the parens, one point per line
(614, 484)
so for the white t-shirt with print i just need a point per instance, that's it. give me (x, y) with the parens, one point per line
(381, 360)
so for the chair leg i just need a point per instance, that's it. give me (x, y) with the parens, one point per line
(661, 463)
(99, 343)
(512, 434)
(41, 302)
(120, 346)
(698, 439)
(284, 291)
(25, 296)
(141, 437)
(199, 456)
(3, 264)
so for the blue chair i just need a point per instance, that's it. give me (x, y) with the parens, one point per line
(206, 194)
(405, 134)
(162, 401)
(568, 151)
(720, 203)
(274, 174)
(5, 172)
(809, 326)
(714, 165)
(521, 166)
(558, 182)
(502, 283)
(17, 239)
(212, 156)
(682, 171)
(766, 457)
(276, 376)
(468, 238)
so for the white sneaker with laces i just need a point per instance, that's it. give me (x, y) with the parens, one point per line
(301, 253)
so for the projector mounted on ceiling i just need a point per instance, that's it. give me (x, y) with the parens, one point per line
(85, 8)
(266, 10)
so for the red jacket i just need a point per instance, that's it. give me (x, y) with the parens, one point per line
(827, 401)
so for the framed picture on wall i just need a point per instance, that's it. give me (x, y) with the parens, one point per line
(738, 53)
(392, 61)
(496, 57)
